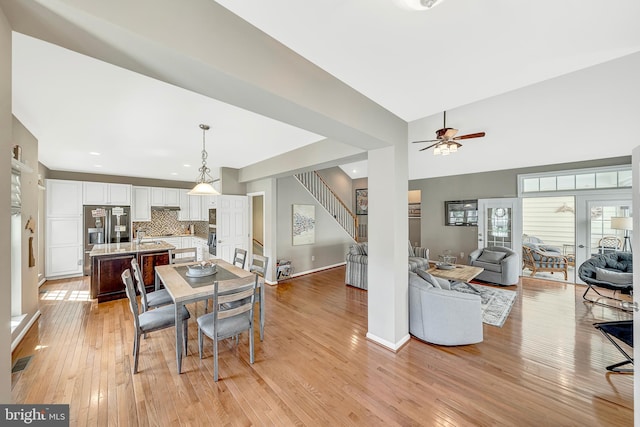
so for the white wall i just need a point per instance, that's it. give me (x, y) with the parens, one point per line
(5, 196)
(589, 114)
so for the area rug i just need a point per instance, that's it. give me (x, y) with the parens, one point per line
(496, 303)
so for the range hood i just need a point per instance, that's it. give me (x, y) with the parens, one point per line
(165, 208)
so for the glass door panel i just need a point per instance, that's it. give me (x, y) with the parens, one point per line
(499, 223)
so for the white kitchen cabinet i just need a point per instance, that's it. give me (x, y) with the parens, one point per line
(183, 213)
(186, 242)
(141, 206)
(119, 194)
(173, 241)
(64, 229)
(201, 247)
(100, 193)
(195, 208)
(64, 198)
(165, 196)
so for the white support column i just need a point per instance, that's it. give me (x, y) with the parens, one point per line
(388, 240)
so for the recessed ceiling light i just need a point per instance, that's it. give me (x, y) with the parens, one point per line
(174, 173)
(186, 166)
(355, 171)
(97, 166)
(94, 153)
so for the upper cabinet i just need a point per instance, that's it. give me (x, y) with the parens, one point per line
(141, 206)
(165, 196)
(183, 214)
(64, 198)
(100, 193)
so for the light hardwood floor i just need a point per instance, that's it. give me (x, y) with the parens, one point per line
(544, 367)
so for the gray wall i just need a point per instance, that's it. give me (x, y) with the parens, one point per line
(435, 191)
(331, 241)
(5, 219)
(112, 179)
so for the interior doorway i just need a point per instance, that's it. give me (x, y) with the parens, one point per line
(549, 223)
(257, 224)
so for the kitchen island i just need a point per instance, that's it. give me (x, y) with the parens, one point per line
(110, 260)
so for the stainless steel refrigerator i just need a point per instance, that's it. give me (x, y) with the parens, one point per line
(104, 224)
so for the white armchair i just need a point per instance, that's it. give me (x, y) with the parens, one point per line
(442, 316)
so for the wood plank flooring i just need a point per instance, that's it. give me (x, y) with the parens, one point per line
(544, 367)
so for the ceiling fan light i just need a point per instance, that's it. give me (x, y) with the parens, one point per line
(453, 147)
(419, 4)
(436, 150)
(445, 150)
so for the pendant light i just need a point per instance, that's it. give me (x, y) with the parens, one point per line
(203, 182)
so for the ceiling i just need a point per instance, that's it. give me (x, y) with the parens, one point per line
(414, 64)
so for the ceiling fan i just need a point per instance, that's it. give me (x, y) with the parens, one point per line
(447, 141)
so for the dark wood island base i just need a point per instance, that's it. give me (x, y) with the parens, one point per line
(109, 261)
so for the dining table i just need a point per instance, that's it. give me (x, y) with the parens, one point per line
(185, 289)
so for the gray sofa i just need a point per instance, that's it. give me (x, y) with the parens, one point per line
(501, 265)
(441, 316)
(357, 261)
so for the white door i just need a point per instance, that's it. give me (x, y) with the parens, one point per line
(500, 223)
(635, 166)
(593, 222)
(232, 225)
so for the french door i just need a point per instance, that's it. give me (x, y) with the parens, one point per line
(594, 225)
(500, 223)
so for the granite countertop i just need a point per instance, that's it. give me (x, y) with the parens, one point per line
(130, 248)
(167, 236)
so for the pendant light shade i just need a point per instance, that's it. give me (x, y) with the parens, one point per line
(204, 181)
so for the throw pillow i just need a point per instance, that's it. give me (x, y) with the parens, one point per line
(418, 281)
(614, 277)
(357, 249)
(613, 263)
(411, 253)
(492, 257)
(429, 278)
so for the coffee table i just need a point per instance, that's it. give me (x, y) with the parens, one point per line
(462, 273)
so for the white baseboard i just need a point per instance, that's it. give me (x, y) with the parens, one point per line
(24, 330)
(315, 270)
(42, 281)
(388, 344)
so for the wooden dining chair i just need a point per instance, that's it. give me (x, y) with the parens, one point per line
(152, 320)
(239, 257)
(232, 314)
(149, 300)
(183, 255)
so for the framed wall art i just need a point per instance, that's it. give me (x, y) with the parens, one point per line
(303, 223)
(362, 201)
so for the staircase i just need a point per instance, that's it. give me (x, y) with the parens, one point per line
(319, 189)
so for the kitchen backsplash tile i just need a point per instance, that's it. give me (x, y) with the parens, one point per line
(165, 223)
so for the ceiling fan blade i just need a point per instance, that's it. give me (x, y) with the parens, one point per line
(429, 140)
(432, 145)
(471, 135)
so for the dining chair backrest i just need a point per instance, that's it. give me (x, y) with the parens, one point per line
(183, 255)
(259, 265)
(237, 302)
(137, 275)
(131, 296)
(239, 257)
